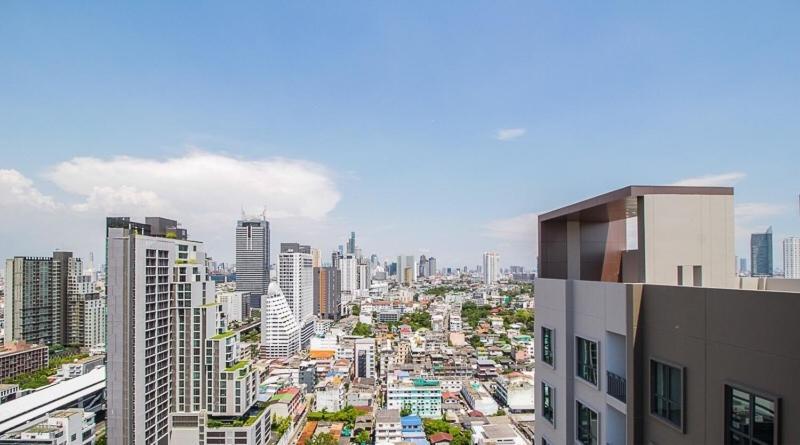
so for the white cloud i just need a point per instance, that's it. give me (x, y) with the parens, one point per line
(18, 191)
(518, 228)
(752, 211)
(198, 183)
(717, 180)
(204, 191)
(509, 134)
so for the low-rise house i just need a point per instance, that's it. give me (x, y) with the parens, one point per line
(388, 428)
(479, 399)
(330, 395)
(71, 426)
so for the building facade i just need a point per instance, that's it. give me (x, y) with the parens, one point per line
(641, 340)
(280, 333)
(791, 257)
(761, 254)
(491, 267)
(327, 293)
(252, 255)
(296, 279)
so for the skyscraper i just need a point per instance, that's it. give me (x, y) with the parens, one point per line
(252, 255)
(423, 266)
(761, 254)
(432, 270)
(37, 292)
(491, 267)
(327, 293)
(406, 270)
(791, 257)
(295, 278)
(351, 244)
(170, 353)
(348, 266)
(280, 333)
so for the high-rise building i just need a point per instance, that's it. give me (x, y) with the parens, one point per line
(432, 269)
(406, 270)
(351, 244)
(295, 278)
(422, 266)
(491, 267)
(363, 274)
(761, 254)
(252, 255)
(791, 257)
(742, 266)
(171, 360)
(280, 333)
(38, 290)
(327, 293)
(365, 358)
(643, 344)
(316, 257)
(348, 265)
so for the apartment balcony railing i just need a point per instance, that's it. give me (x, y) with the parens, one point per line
(616, 386)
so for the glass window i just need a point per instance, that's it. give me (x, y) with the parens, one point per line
(750, 419)
(587, 360)
(547, 346)
(548, 403)
(587, 425)
(666, 392)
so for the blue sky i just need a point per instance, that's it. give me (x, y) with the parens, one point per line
(386, 117)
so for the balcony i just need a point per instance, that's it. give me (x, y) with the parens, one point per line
(616, 386)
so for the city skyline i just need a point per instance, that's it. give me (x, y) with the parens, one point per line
(657, 106)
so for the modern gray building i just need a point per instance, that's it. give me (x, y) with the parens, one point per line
(646, 335)
(172, 364)
(37, 292)
(252, 255)
(761, 254)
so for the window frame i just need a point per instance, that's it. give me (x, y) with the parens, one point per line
(577, 419)
(728, 388)
(552, 402)
(651, 394)
(598, 367)
(552, 345)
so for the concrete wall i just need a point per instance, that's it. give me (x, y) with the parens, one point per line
(688, 230)
(720, 336)
(599, 311)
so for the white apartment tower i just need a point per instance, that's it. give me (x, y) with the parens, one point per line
(252, 255)
(296, 280)
(491, 267)
(791, 257)
(171, 360)
(349, 267)
(280, 333)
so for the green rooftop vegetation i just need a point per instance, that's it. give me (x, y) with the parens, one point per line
(223, 335)
(36, 379)
(247, 419)
(236, 366)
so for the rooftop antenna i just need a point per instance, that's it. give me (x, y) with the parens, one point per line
(264, 213)
(243, 214)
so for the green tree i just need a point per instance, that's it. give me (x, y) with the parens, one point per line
(475, 341)
(322, 439)
(406, 411)
(356, 310)
(362, 329)
(363, 437)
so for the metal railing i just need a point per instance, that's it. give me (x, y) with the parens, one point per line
(616, 386)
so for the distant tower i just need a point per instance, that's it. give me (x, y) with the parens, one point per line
(491, 267)
(351, 243)
(252, 255)
(761, 254)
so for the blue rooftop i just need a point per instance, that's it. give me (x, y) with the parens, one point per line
(411, 420)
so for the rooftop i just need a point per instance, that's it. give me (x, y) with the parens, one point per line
(621, 203)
